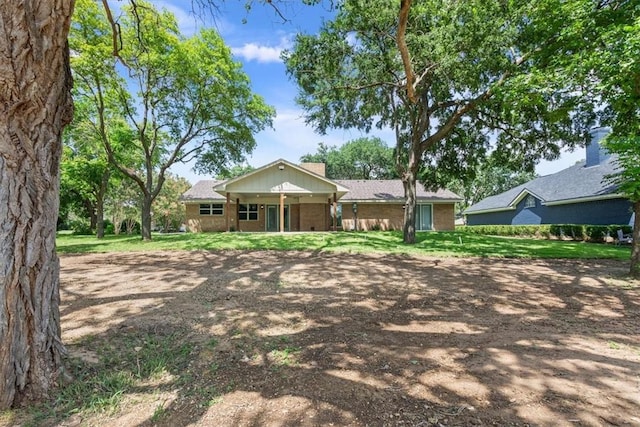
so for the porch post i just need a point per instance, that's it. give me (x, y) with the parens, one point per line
(228, 209)
(335, 212)
(237, 214)
(282, 212)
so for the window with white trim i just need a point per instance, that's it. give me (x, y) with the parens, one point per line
(248, 212)
(211, 209)
(530, 202)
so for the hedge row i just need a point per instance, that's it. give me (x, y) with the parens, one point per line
(593, 233)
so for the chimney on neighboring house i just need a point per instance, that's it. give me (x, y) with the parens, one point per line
(596, 154)
(317, 168)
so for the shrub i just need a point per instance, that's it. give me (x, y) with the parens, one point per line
(593, 233)
(81, 226)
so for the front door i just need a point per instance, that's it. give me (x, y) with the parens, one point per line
(273, 217)
(423, 217)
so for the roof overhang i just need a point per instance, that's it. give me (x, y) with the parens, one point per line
(484, 211)
(585, 199)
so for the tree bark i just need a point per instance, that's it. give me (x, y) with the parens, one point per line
(35, 99)
(635, 248)
(145, 226)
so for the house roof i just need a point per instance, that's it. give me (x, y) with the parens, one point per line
(203, 191)
(577, 183)
(359, 191)
(390, 190)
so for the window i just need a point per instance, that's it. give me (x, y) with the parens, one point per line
(211, 209)
(248, 212)
(530, 202)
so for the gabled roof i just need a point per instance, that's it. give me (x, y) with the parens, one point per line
(574, 184)
(358, 191)
(361, 190)
(223, 186)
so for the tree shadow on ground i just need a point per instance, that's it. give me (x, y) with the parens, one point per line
(300, 338)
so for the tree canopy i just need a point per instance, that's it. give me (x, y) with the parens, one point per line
(449, 78)
(184, 98)
(362, 158)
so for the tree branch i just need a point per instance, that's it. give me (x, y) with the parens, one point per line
(401, 41)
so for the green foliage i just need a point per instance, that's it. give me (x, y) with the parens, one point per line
(169, 212)
(592, 233)
(539, 231)
(235, 171)
(183, 98)
(487, 179)
(362, 158)
(466, 65)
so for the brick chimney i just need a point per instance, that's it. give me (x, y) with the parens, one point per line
(317, 168)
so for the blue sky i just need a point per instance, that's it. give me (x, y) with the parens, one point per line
(258, 44)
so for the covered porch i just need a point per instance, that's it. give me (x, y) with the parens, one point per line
(281, 197)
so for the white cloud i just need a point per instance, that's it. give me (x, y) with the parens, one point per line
(261, 53)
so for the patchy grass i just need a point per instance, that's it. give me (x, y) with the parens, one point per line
(427, 243)
(126, 362)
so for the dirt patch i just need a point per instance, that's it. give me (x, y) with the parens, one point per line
(308, 339)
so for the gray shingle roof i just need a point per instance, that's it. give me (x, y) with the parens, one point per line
(203, 190)
(359, 190)
(575, 182)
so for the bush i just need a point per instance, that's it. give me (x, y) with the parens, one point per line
(109, 228)
(507, 230)
(81, 226)
(593, 233)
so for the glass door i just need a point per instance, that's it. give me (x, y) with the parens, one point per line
(273, 218)
(423, 217)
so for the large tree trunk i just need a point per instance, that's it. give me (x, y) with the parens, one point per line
(145, 226)
(635, 250)
(35, 100)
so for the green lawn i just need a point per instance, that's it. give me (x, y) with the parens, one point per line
(428, 243)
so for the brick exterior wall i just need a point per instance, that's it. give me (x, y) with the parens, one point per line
(314, 216)
(197, 223)
(383, 216)
(444, 217)
(387, 216)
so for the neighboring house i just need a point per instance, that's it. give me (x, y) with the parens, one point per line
(579, 194)
(282, 196)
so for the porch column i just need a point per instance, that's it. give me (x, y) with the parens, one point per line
(228, 209)
(282, 212)
(335, 212)
(238, 214)
(328, 226)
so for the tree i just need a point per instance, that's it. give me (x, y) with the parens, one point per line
(168, 211)
(628, 182)
(444, 76)
(489, 178)
(36, 101)
(235, 171)
(362, 158)
(195, 102)
(86, 171)
(600, 44)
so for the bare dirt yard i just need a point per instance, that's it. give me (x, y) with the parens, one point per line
(315, 339)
